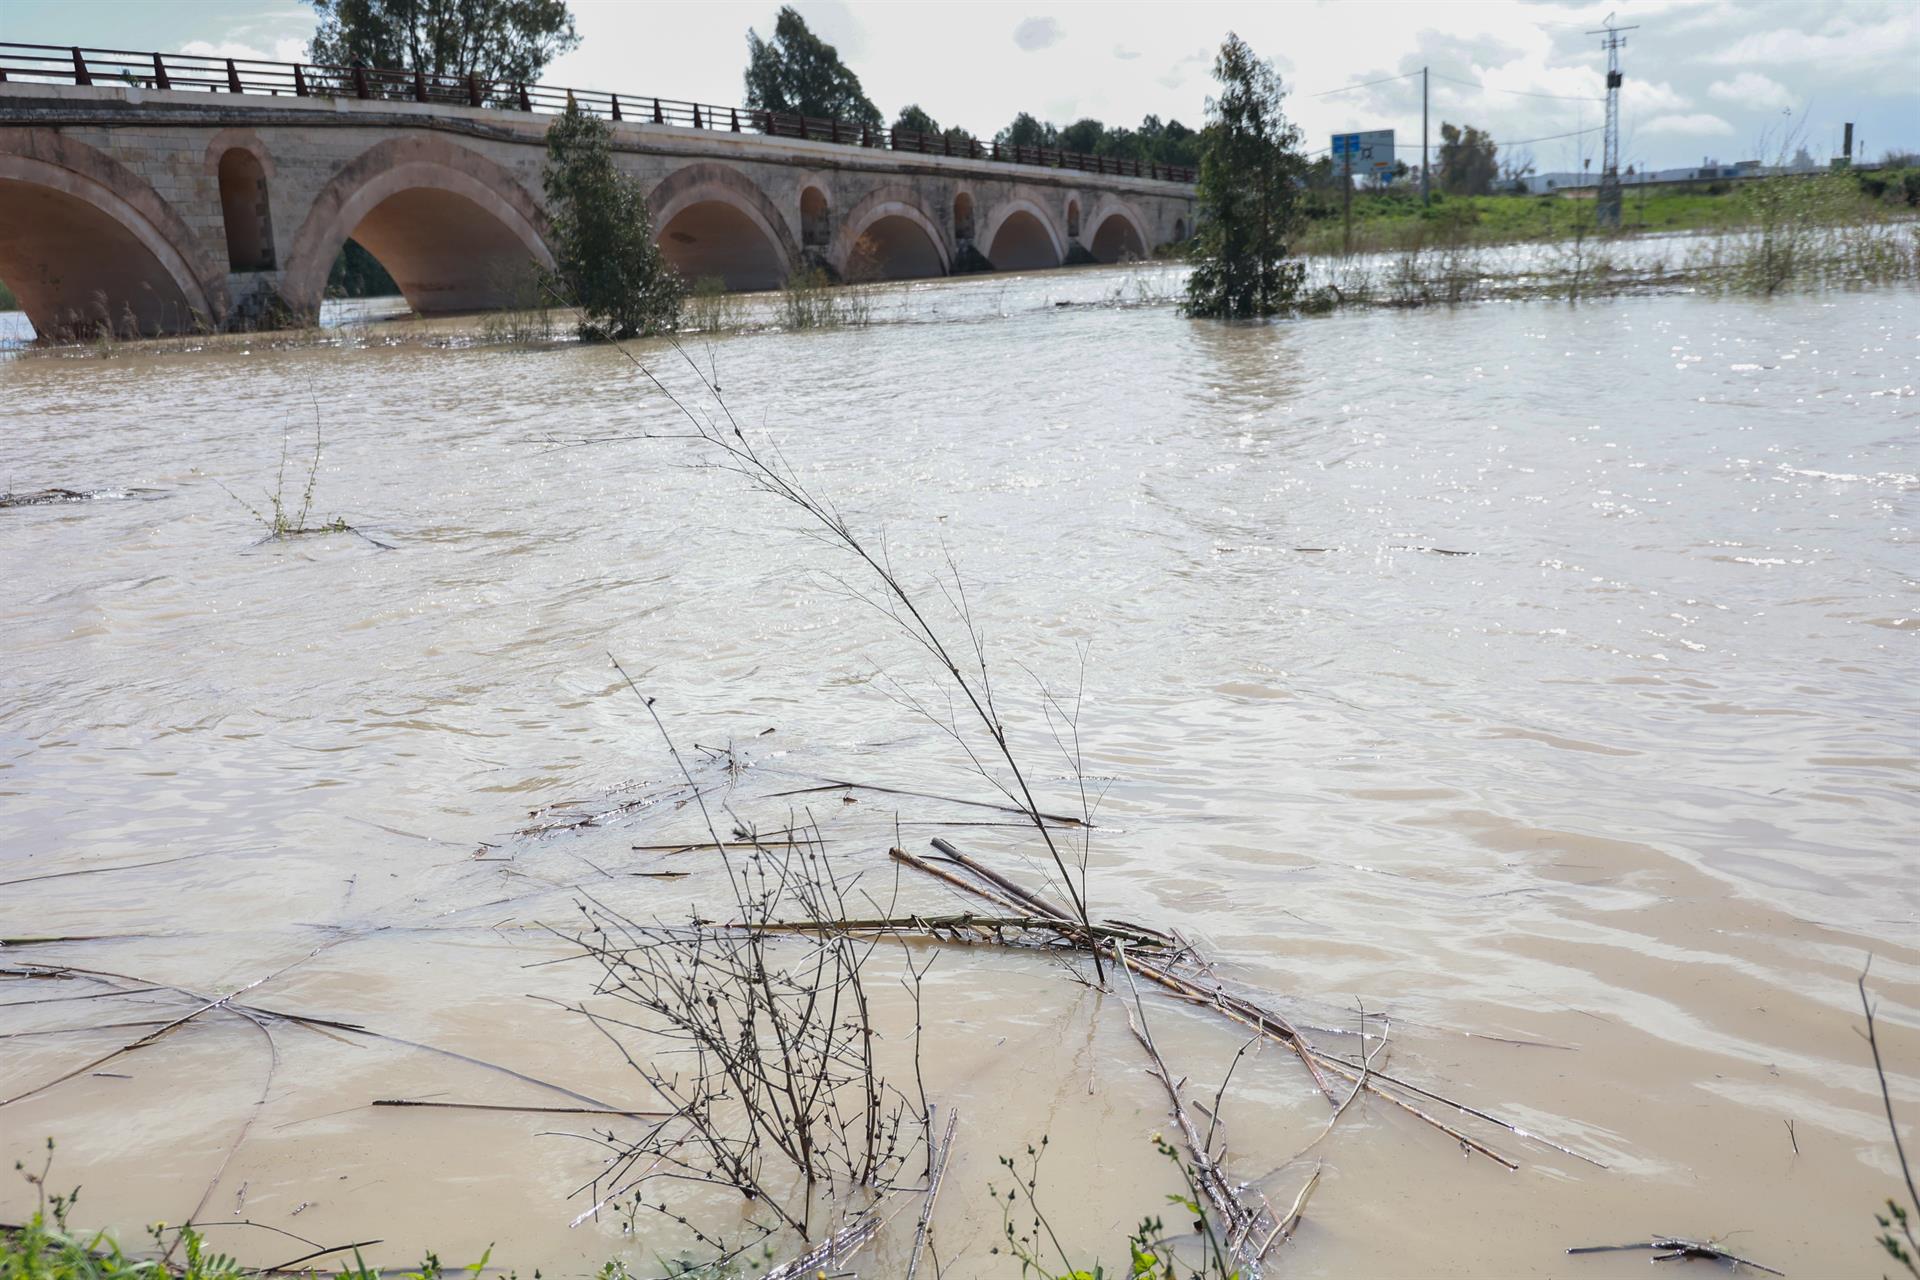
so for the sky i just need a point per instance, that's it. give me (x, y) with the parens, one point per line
(1704, 78)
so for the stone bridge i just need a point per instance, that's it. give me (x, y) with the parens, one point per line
(167, 210)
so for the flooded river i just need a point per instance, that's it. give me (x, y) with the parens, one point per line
(1542, 678)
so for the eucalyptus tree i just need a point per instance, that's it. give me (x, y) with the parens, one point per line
(797, 72)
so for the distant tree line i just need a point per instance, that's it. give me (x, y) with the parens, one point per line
(1171, 143)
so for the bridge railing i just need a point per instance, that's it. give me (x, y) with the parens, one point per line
(73, 64)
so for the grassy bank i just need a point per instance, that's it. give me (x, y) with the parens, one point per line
(1386, 222)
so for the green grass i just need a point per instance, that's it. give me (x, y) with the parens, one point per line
(48, 1247)
(1389, 221)
(7, 301)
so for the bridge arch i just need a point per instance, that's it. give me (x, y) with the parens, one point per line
(1119, 233)
(84, 241)
(962, 215)
(816, 217)
(455, 230)
(1021, 237)
(890, 235)
(713, 220)
(240, 168)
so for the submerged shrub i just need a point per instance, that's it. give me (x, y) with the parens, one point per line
(1250, 194)
(607, 263)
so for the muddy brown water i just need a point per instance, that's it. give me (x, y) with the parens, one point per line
(1635, 780)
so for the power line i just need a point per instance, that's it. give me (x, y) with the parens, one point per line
(1498, 142)
(1365, 84)
(1525, 93)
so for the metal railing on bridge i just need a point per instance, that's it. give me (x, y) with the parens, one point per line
(72, 64)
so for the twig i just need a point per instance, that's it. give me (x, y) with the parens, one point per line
(1284, 1229)
(1240, 1223)
(489, 1106)
(1886, 1097)
(95, 871)
(1672, 1248)
(291, 1263)
(1366, 1068)
(933, 1192)
(834, 784)
(832, 1251)
(1070, 930)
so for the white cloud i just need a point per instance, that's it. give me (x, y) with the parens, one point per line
(288, 49)
(1034, 34)
(1125, 54)
(1842, 43)
(1751, 89)
(1700, 124)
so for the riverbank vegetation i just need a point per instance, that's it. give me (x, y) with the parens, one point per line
(1394, 220)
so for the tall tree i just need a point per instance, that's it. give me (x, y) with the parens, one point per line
(606, 260)
(1250, 189)
(914, 119)
(1469, 161)
(1026, 131)
(510, 40)
(1082, 135)
(799, 73)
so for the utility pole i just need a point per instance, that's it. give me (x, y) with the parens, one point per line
(1346, 198)
(1426, 185)
(1607, 207)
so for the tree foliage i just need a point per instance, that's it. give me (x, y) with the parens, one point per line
(1469, 161)
(799, 73)
(606, 261)
(511, 40)
(1026, 131)
(912, 117)
(1170, 143)
(1250, 190)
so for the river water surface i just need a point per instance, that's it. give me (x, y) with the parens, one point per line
(1539, 672)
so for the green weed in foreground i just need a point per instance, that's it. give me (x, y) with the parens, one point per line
(1151, 1252)
(48, 1248)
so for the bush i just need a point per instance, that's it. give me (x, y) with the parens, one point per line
(607, 263)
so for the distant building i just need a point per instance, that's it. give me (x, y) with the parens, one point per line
(1708, 170)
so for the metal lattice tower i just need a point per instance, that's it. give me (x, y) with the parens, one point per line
(1607, 207)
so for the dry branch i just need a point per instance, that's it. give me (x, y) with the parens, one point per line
(1241, 1222)
(489, 1106)
(933, 1193)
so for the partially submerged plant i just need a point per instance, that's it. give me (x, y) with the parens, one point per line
(776, 1090)
(710, 308)
(281, 519)
(1897, 1225)
(810, 300)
